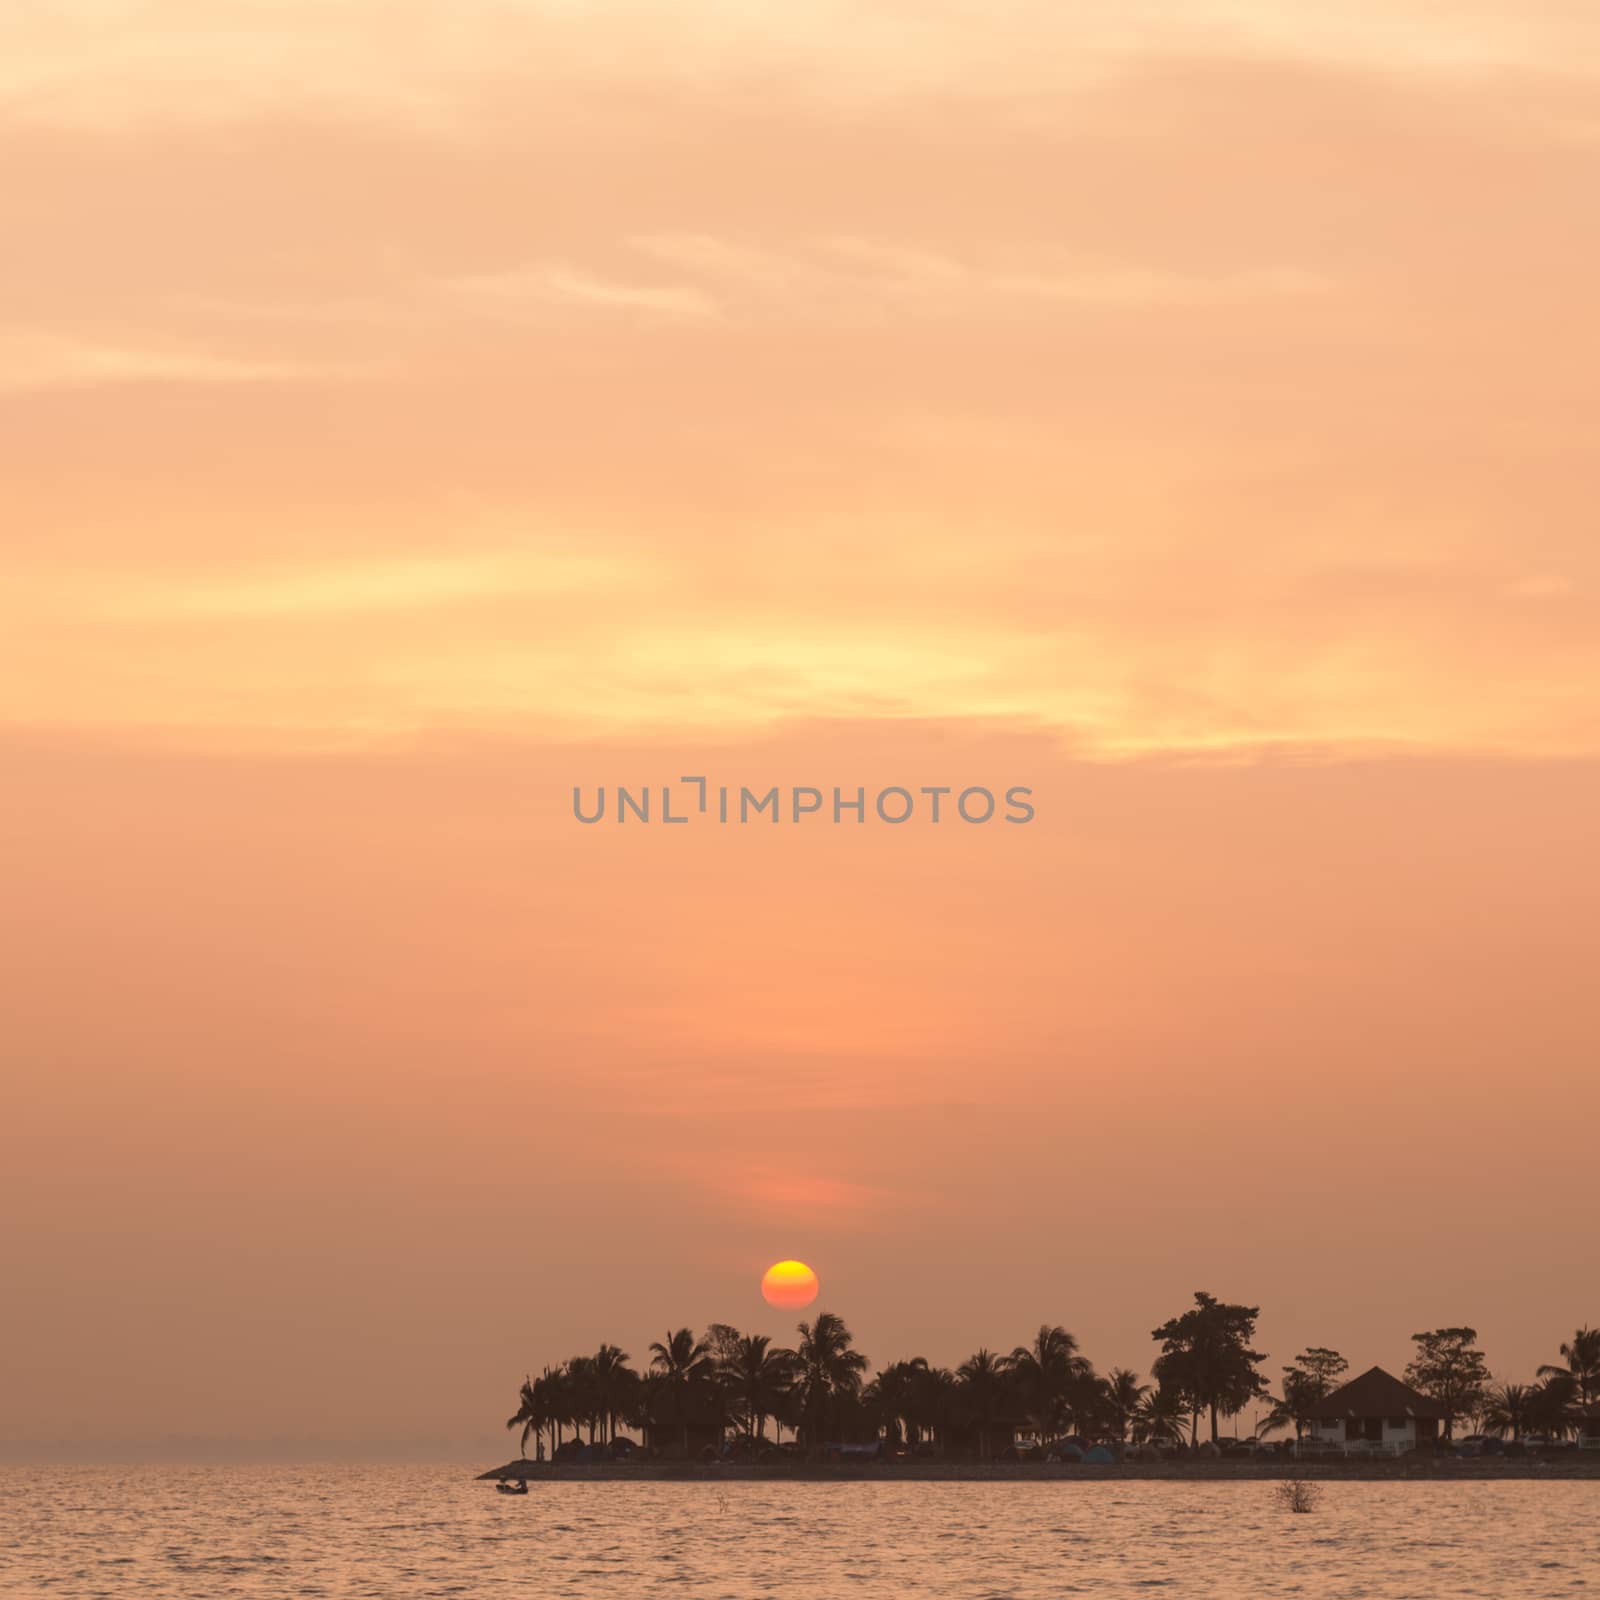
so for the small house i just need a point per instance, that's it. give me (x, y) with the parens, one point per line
(1375, 1414)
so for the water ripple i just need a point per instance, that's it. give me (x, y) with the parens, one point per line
(425, 1534)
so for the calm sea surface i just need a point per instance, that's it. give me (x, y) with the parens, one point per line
(403, 1532)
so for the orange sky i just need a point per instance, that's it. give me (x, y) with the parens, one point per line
(408, 411)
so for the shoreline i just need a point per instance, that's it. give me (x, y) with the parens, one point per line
(1474, 1469)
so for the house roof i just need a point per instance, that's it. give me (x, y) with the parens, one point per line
(1376, 1393)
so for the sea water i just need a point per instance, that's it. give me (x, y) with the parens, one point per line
(402, 1533)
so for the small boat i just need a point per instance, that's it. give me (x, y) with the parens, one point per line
(519, 1487)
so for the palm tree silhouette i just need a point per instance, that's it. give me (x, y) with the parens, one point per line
(829, 1369)
(893, 1395)
(983, 1382)
(1158, 1418)
(583, 1394)
(704, 1382)
(756, 1378)
(1121, 1396)
(680, 1363)
(1505, 1409)
(529, 1415)
(544, 1404)
(1582, 1357)
(615, 1384)
(1045, 1371)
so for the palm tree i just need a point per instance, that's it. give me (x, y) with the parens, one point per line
(681, 1359)
(757, 1378)
(1551, 1405)
(529, 1414)
(1282, 1414)
(1121, 1394)
(893, 1395)
(983, 1383)
(614, 1385)
(1045, 1371)
(560, 1407)
(1505, 1409)
(829, 1369)
(584, 1390)
(1582, 1357)
(680, 1363)
(934, 1393)
(1159, 1417)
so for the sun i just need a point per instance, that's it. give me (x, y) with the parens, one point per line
(790, 1284)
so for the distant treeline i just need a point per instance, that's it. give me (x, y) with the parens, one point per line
(696, 1390)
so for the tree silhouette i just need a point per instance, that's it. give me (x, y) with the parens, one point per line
(829, 1368)
(1311, 1376)
(1449, 1368)
(1045, 1372)
(1158, 1418)
(616, 1386)
(983, 1378)
(1206, 1357)
(1505, 1409)
(1581, 1358)
(1205, 1362)
(756, 1379)
(1552, 1405)
(681, 1362)
(529, 1415)
(1121, 1395)
(891, 1395)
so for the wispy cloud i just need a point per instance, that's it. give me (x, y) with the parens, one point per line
(32, 362)
(846, 272)
(539, 289)
(109, 62)
(286, 593)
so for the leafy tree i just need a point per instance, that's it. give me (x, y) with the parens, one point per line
(1449, 1368)
(1206, 1356)
(1321, 1369)
(1175, 1372)
(1311, 1377)
(722, 1342)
